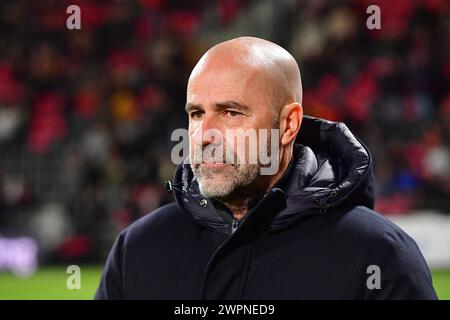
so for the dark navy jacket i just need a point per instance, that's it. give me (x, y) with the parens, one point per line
(314, 235)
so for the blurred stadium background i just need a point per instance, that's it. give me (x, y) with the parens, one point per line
(86, 116)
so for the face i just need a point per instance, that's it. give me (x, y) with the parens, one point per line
(221, 98)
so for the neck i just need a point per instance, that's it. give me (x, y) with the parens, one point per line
(239, 205)
(239, 209)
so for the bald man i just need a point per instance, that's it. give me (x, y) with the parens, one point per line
(305, 231)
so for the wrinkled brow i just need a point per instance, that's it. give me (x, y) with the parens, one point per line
(219, 105)
(232, 105)
(192, 106)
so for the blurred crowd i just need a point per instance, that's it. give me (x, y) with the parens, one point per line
(86, 115)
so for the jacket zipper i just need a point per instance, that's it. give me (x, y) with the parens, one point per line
(234, 225)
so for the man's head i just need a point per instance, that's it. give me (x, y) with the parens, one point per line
(244, 83)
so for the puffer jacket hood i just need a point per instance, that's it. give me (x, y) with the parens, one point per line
(330, 169)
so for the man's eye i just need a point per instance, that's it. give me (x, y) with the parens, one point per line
(196, 114)
(231, 113)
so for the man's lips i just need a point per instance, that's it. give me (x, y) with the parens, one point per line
(213, 164)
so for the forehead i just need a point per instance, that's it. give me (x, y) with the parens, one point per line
(225, 79)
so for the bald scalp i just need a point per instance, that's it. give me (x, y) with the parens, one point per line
(266, 61)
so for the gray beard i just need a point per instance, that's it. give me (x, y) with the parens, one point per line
(223, 182)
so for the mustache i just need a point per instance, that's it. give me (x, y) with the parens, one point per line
(213, 153)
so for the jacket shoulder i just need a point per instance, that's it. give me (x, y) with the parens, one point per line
(381, 239)
(154, 221)
(404, 271)
(367, 222)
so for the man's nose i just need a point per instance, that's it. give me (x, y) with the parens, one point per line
(207, 132)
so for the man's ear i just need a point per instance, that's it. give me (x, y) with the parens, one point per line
(291, 119)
